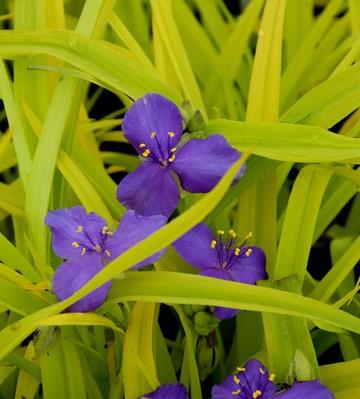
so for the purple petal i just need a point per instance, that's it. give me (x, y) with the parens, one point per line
(200, 164)
(153, 113)
(167, 391)
(251, 378)
(309, 390)
(134, 228)
(65, 224)
(70, 276)
(249, 269)
(149, 190)
(194, 247)
(225, 313)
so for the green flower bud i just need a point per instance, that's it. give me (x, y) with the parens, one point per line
(205, 323)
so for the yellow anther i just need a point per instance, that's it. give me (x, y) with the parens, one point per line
(257, 393)
(221, 232)
(272, 377)
(79, 229)
(173, 149)
(248, 252)
(237, 251)
(83, 251)
(105, 230)
(146, 153)
(171, 134)
(213, 244)
(232, 233)
(236, 379)
(236, 392)
(107, 252)
(142, 145)
(240, 369)
(172, 158)
(75, 244)
(261, 371)
(249, 235)
(152, 135)
(97, 248)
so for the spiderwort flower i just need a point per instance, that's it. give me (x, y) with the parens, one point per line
(225, 257)
(153, 125)
(168, 391)
(88, 244)
(253, 381)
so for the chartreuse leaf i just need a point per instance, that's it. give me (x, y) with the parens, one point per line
(27, 386)
(12, 198)
(355, 15)
(342, 378)
(13, 334)
(288, 142)
(139, 348)
(5, 372)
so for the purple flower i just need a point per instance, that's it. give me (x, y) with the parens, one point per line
(87, 244)
(153, 125)
(253, 381)
(167, 391)
(225, 258)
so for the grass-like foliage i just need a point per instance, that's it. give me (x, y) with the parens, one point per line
(280, 81)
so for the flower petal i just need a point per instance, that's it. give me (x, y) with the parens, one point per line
(70, 276)
(194, 247)
(134, 228)
(308, 389)
(225, 313)
(149, 190)
(65, 225)
(153, 113)
(200, 164)
(167, 391)
(249, 269)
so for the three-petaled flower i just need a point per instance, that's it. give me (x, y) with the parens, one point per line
(225, 257)
(253, 381)
(153, 125)
(167, 391)
(88, 244)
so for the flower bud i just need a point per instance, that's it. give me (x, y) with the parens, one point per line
(205, 323)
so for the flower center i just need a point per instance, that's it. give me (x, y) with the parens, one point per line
(159, 154)
(87, 243)
(229, 247)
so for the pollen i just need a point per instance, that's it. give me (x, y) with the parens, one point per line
(248, 252)
(213, 244)
(256, 394)
(236, 379)
(152, 135)
(232, 233)
(104, 230)
(249, 235)
(79, 229)
(221, 232)
(173, 149)
(142, 145)
(237, 251)
(75, 244)
(236, 392)
(272, 377)
(146, 153)
(172, 158)
(240, 369)
(261, 371)
(171, 134)
(83, 251)
(107, 252)
(97, 248)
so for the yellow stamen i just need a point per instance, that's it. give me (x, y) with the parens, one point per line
(232, 233)
(236, 379)
(152, 135)
(249, 235)
(171, 134)
(79, 229)
(142, 145)
(83, 251)
(97, 248)
(172, 158)
(221, 232)
(213, 244)
(257, 393)
(104, 230)
(248, 252)
(107, 252)
(173, 149)
(240, 369)
(236, 392)
(272, 377)
(237, 251)
(261, 371)
(75, 244)
(146, 153)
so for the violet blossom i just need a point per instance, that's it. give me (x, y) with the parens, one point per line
(153, 125)
(225, 257)
(167, 391)
(87, 244)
